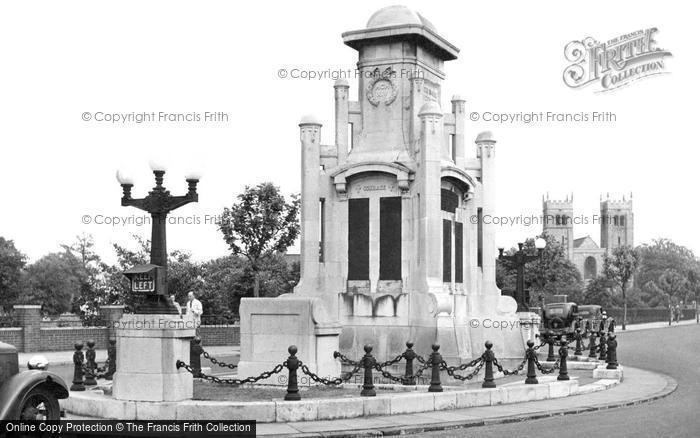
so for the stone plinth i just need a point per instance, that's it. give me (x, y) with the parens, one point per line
(148, 347)
(270, 325)
(110, 318)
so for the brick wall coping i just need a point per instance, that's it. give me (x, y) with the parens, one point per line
(26, 306)
(8, 329)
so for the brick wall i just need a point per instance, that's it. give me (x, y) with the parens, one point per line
(12, 336)
(63, 338)
(215, 335)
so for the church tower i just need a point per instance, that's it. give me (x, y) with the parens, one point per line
(616, 222)
(558, 222)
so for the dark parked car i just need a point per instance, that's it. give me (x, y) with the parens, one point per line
(28, 395)
(559, 318)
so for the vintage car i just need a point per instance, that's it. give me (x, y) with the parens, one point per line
(31, 394)
(559, 318)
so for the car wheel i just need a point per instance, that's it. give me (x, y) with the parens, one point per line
(39, 404)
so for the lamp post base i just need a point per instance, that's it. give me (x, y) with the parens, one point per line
(155, 305)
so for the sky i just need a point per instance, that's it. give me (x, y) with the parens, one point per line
(65, 62)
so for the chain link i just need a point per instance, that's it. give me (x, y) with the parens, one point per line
(337, 381)
(393, 361)
(404, 380)
(344, 359)
(513, 372)
(215, 361)
(232, 381)
(451, 370)
(544, 370)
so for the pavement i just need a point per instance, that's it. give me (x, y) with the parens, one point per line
(639, 387)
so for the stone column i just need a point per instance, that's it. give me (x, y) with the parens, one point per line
(110, 318)
(341, 119)
(430, 213)
(486, 152)
(458, 108)
(29, 318)
(148, 347)
(310, 164)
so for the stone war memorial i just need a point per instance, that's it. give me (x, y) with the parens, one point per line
(393, 248)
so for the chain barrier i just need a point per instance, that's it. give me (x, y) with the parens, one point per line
(347, 361)
(513, 372)
(232, 381)
(404, 380)
(337, 381)
(544, 370)
(215, 361)
(479, 362)
(99, 372)
(393, 361)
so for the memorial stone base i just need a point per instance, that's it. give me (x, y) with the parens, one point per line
(270, 325)
(148, 347)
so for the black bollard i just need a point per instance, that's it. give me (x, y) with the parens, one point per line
(90, 364)
(530, 354)
(612, 352)
(196, 356)
(591, 341)
(368, 362)
(578, 351)
(489, 356)
(550, 351)
(436, 363)
(563, 369)
(78, 357)
(409, 355)
(292, 365)
(603, 345)
(112, 357)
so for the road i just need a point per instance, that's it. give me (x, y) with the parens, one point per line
(674, 351)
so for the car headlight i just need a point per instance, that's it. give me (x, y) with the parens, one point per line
(38, 362)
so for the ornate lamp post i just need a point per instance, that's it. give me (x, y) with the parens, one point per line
(520, 259)
(152, 279)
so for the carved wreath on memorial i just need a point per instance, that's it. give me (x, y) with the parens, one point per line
(381, 87)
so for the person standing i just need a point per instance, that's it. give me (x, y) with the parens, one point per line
(194, 309)
(176, 304)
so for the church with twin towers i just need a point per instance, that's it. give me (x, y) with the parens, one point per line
(616, 221)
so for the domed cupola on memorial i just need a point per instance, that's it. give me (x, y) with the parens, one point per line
(393, 245)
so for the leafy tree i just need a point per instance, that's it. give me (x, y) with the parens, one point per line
(619, 266)
(599, 291)
(259, 224)
(674, 285)
(53, 282)
(552, 274)
(93, 290)
(12, 263)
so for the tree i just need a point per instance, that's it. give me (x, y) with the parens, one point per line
(552, 274)
(619, 266)
(93, 290)
(52, 282)
(260, 224)
(675, 285)
(12, 263)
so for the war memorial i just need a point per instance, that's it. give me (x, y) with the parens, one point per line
(397, 277)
